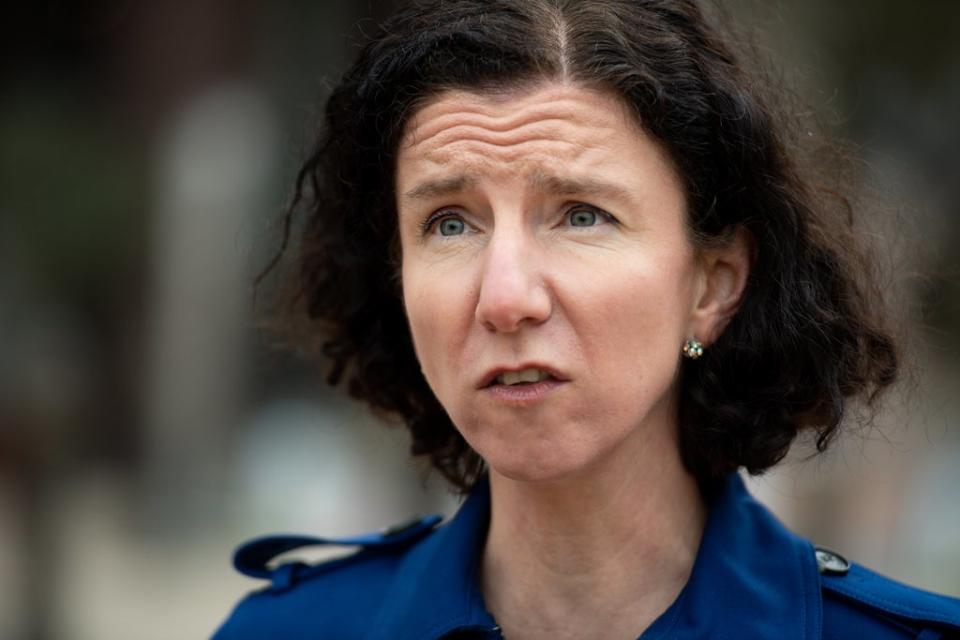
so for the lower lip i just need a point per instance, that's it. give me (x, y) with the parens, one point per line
(523, 393)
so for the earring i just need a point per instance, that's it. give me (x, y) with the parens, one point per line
(693, 348)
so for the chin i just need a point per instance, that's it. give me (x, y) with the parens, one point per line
(521, 465)
(535, 453)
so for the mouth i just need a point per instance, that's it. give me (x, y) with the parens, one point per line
(524, 375)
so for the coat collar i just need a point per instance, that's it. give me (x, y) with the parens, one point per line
(436, 589)
(751, 579)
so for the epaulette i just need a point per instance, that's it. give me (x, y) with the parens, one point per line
(852, 582)
(254, 557)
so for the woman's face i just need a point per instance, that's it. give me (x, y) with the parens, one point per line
(548, 277)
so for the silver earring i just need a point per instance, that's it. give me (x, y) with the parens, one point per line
(693, 348)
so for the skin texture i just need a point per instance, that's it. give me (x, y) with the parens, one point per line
(565, 247)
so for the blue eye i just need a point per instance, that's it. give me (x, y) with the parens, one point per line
(583, 218)
(586, 216)
(451, 227)
(444, 223)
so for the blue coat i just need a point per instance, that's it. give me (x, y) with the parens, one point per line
(752, 579)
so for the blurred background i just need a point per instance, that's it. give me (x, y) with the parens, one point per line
(146, 427)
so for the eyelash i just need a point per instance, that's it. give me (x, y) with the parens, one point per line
(430, 222)
(580, 206)
(427, 225)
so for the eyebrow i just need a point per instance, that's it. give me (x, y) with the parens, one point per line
(566, 186)
(442, 187)
(539, 180)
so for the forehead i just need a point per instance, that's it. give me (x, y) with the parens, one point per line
(526, 130)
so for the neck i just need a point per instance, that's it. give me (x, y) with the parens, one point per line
(601, 553)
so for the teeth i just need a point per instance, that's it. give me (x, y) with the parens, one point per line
(517, 377)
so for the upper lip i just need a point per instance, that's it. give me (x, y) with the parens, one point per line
(490, 376)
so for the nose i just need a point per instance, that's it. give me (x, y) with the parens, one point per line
(513, 293)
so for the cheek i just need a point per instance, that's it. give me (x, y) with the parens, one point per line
(435, 313)
(418, 304)
(633, 324)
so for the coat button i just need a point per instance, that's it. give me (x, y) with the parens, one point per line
(830, 563)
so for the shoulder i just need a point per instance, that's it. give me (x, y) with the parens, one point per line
(858, 602)
(340, 596)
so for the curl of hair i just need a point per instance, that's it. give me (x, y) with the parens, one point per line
(811, 333)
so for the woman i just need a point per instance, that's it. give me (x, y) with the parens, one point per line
(573, 248)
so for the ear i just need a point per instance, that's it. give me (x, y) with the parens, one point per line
(724, 270)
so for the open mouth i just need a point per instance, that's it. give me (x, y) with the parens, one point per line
(527, 376)
(523, 387)
(522, 377)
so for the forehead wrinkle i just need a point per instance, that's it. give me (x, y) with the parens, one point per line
(472, 156)
(536, 129)
(461, 133)
(435, 118)
(457, 118)
(497, 108)
(483, 152)
(555, 131)
(558, 137)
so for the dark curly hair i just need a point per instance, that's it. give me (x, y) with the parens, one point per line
(811, 333)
